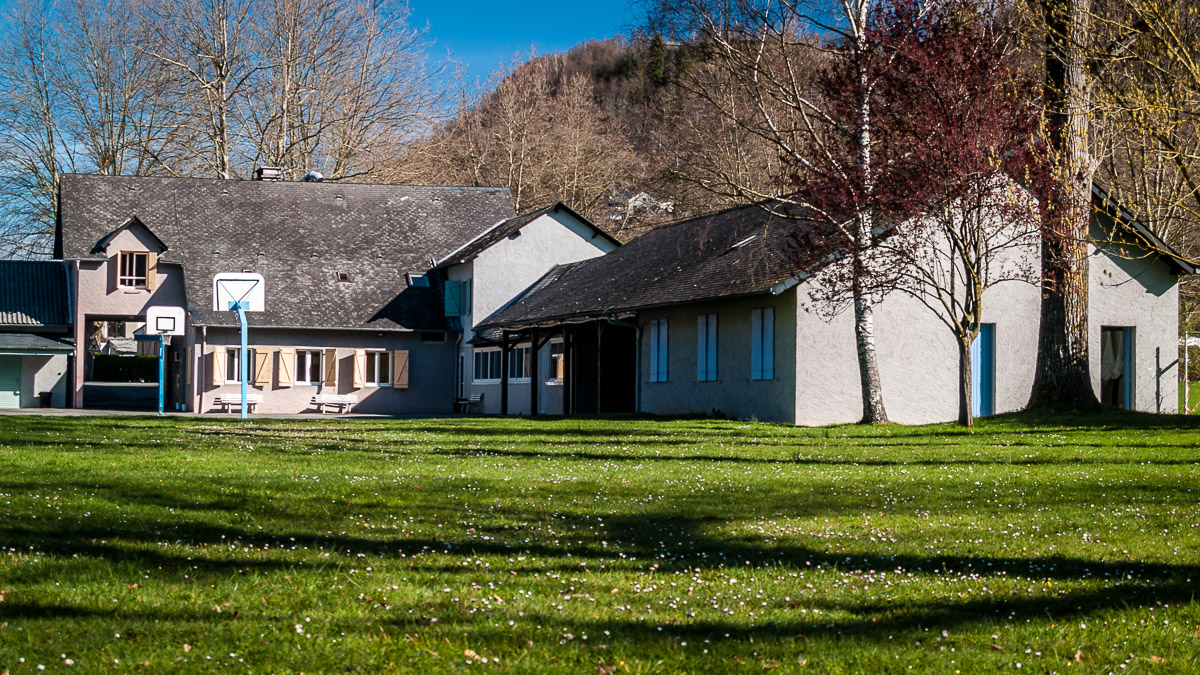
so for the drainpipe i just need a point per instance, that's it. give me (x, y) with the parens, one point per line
(637, 359)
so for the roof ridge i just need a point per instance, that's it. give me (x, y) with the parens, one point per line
(287, 182)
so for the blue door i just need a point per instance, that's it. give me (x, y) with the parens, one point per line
(983, 371)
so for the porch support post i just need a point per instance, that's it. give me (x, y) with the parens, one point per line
(568, 376)
(504, 351)
(534, 356)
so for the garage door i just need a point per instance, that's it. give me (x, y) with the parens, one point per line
(10, 382)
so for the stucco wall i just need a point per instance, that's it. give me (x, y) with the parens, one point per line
(733, 393)
(431, 371)
(917, 356)
(98, 294)
(43, 373)
(1130, 289)
(506, 269)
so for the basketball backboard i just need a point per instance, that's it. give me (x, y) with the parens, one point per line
(231, 288)
(164, 320)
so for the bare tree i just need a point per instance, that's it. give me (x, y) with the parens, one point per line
(342, 88)
(207, 45)
(33, 150)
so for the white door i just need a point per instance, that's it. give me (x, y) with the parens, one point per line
(10, 382)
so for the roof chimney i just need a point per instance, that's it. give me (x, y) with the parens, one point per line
(272, 173)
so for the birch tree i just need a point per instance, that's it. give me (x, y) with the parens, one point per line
(824, 136)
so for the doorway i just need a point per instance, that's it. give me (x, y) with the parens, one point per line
(1116, 366)
(983, 371)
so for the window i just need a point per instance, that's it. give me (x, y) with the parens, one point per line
(308, 367)
(233, 371)
(658, 350)
(134, 269)
(706, 348)
(762, 344)
(518, 363)
(556, 360)
(487, 365)
(379, 370)
(418, 280)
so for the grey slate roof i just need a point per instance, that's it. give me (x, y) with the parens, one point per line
(298, 235)
(508, 227)
(1104, 202)
(34, 293)
(30, 343)
(742, 251)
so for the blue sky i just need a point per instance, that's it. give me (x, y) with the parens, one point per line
(482, 34)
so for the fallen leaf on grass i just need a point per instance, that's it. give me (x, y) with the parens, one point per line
(470, 654)
(1078, 656)
(1157, 659)
(605, 669)
(187, 647)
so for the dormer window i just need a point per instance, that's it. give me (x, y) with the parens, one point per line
(135, 270)
(418, 281)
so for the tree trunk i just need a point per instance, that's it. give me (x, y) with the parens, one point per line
(864, 307)
(1062, 378)
(868, 369)
(965, 416)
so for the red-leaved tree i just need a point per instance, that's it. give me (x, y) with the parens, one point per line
(956, 144)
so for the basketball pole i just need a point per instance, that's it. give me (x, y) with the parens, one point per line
(243, 367)
(162, 371)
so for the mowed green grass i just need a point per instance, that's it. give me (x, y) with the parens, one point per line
(1055, 544)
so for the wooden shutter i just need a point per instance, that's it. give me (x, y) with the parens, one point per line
(287, 363)
(360, 367)
(218, 365)
(262, 367)
(559, 360)
(400, 369)
(151, 270)
(330, 368)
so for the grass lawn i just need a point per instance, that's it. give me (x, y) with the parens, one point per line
(1056, 544)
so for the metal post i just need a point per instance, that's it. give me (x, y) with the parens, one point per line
(162, 371)
(243, 367)
(1187, 398)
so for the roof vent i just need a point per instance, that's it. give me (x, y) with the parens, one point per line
(313, 177)
(268, 173)
(344, 277)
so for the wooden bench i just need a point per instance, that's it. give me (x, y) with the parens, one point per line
(471, 402)
(343, 402)
(231, 401)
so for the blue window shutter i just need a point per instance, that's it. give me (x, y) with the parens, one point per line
(712, 347)
(702, 348)
(768, 343)
(654, 351)
(662, 351)
(453, 298)
(756, 319)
